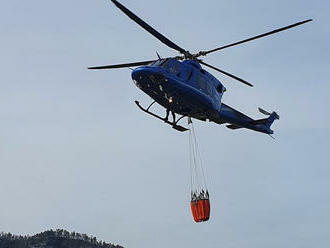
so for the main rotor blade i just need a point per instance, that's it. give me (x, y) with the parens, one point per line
(226, 73)
(148, 28)
(255, 37)
(120, 65)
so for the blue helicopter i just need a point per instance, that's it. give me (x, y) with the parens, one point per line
(183, 87)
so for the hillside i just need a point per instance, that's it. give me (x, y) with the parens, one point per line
(53, 239)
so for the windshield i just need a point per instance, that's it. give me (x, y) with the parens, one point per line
(172, 66)
(158, 62)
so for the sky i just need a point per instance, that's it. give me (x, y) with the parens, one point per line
(76, 153)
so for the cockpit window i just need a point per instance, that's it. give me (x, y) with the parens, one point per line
(164, 63)
(175, 69)
(173, 66)
(158, 62)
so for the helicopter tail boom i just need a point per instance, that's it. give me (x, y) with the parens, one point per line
(238, 120)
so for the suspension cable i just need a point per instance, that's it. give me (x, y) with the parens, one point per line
(197, 170)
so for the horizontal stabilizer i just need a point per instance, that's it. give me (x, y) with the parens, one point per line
(233, 127)
(264, 111)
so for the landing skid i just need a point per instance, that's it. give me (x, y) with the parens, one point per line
(174, 123)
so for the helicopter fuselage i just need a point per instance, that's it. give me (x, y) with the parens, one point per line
(182, 87)
(187, 89)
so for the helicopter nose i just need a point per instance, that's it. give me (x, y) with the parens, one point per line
(145, 75)
(139, 77)
(139, 74)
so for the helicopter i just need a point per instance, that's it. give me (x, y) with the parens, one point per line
(184, 88)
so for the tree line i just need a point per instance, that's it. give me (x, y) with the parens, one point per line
(53, 238)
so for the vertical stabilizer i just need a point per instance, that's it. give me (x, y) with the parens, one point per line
(270, 120)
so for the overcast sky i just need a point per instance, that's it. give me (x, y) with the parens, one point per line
(76, 153)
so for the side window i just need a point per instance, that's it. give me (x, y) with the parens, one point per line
(201, 82)
(204, 85)
(190, 73)
(209, 89)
